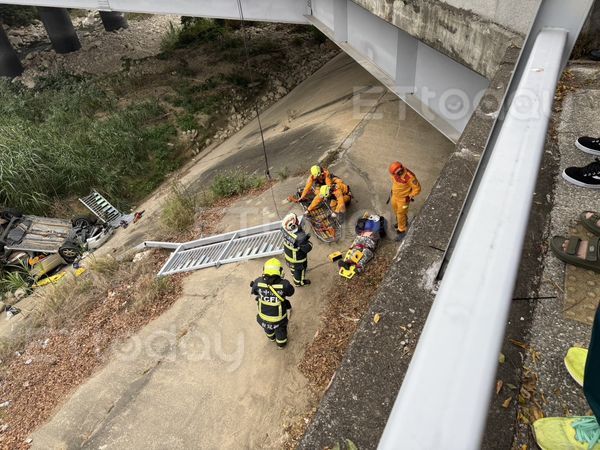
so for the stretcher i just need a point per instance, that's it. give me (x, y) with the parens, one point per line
(369, 231)
(326, 228)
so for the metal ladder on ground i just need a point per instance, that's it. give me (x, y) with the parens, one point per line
(213, 251)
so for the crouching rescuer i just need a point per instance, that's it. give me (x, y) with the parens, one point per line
(296, 246)
(274, 309)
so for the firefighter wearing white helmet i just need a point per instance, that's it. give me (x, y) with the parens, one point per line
(274, 309)
(296, 246)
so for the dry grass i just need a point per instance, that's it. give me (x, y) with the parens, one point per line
(179, 210)
(106, 265)
(151, 290)
(70, 334)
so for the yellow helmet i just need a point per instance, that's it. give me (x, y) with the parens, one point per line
(324, 191)
(272, 267)
(316, 171)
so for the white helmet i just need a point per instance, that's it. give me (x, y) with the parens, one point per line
(374, 218)
(290, 222)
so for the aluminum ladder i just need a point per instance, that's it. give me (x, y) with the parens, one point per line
(102, 209)
(213, 251)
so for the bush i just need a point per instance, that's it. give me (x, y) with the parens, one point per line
(193, 30)
(179, 210)
(17, 15)
(13, 281)
(234, 182)
(67, 137)
(170, 38)
(187, 122)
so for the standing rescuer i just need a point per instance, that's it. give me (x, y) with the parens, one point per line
(405, 187)
(296, 246)
(274, 309)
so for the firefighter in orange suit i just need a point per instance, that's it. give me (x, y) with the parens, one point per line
(338, 194)
(319, 176)
(405, 187)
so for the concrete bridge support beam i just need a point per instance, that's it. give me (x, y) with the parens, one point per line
(10, 66)
(113, 20)
(443, 91)
(59, 27)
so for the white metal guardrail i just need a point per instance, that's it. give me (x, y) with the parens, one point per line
(444, 400)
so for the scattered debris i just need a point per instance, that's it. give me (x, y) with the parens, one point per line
(12, 311)
(499, 385)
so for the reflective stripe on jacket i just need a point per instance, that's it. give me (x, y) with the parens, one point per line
(405, 186)
(296, 245)
(271, 298)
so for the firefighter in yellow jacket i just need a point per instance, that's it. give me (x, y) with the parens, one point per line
(319, 176)
(405, 187)
(271, 291)
(338, 194)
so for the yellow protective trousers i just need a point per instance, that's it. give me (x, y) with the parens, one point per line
(400, 207)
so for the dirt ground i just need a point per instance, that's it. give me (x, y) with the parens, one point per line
(203, 374)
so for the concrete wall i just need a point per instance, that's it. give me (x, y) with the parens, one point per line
(515, 15)
(589, 39)
(475, 33)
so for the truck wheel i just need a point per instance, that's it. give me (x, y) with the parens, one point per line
(69, 252)
(9, 213)
(83, 222)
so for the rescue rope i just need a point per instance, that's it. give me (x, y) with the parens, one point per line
(256, 108)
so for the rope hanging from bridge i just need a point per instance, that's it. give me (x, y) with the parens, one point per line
(256, 108)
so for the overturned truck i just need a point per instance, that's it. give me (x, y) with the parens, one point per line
(26, 240)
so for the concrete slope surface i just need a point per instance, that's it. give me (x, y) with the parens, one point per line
(203, 375)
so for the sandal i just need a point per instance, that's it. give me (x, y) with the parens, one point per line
(591, 261)
(575, 363)
(590, 224)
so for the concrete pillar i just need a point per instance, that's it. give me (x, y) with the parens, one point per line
(113, 20)
(10, 66)
(59, 27)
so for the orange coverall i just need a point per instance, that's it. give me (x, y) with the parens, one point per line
(404, 188)
(325, 178)
(342, 196)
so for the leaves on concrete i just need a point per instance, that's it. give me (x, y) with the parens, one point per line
(348, 301)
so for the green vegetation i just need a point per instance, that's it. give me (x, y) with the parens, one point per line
(13, 281)
(196, 30)
(17, 15)
(181, 206)
(283, 174)
(68, 136)
(179, 210)
(235, 182)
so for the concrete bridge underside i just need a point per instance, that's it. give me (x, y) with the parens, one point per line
(439, 84)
